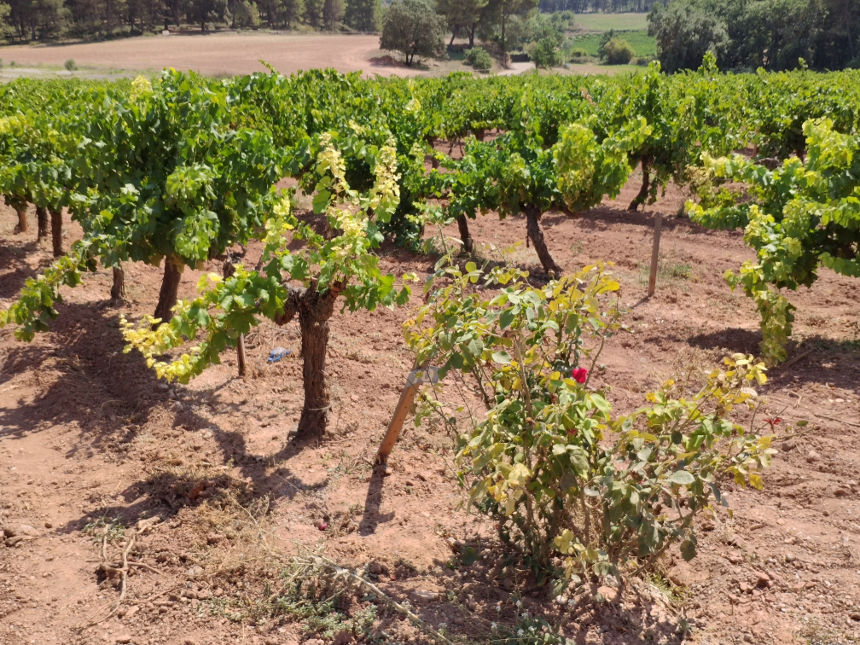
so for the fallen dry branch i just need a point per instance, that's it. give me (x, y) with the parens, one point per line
(121, 569)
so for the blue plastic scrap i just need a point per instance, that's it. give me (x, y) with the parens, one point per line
(277, 354)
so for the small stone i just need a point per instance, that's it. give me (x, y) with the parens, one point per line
(123, 638)
(812, 456)
(421, 594)
(342, 638)
(790, 557)
(194, 571)
(607, 593)
(734, 558)
(841, 492)
(48, 525)
(745, 587)
(20, 530)
(763, 580)
(213, 538)
(190, 641)
(131, 611)
(854, 615)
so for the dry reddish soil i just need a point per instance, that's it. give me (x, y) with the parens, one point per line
(210, 503)
(221, 53)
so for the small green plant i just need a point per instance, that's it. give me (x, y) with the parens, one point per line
(667, 271)
(480, 59)
(322, 600)
(104, 528)
(70, 65)
(529, 630)
(571, 486)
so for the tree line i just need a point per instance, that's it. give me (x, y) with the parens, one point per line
(54, 19)
(748, 34)
(45, 20)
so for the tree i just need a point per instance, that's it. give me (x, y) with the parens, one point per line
(243, 14)
(332, 13)
(314, 13)
(501, 12)
(414, 28)
(684, 33)
(618, 51)
(362, 15)
(203, 11)
(463, 16)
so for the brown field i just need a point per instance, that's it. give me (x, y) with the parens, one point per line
(223, 54)
(220, 501)
(217, 54)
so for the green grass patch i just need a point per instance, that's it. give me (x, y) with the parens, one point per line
(644, 45)
(607, 21)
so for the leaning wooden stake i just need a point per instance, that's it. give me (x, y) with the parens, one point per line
(655, 254)
(407, 398)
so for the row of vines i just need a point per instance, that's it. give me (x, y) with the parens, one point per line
(182, 170)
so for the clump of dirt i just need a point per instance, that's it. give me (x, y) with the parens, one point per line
(223, 509)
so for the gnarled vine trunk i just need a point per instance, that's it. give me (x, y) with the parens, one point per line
(643, 191)
(465, 235)
(314, 309)
(227, 271)
(535, 234)
(56, 231)
(117, 290)
(41, 222)
(22, 219)
(167, 296)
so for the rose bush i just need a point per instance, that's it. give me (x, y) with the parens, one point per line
(571, 486)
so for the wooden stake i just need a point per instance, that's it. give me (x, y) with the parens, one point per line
(655, 254)
(407, 398)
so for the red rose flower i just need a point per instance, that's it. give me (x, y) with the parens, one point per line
(580, 374)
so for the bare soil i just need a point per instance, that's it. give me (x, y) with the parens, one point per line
(218, 501)
(223, 54)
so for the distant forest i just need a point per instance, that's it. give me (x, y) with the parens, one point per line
(45, 20)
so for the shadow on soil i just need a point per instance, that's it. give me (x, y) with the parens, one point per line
(604, 218)
(13, 261)
(813, 360)
(112, 396)
(487, 599)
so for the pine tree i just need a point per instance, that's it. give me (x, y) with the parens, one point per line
(362, 15)
(332, 14)
(314, 13)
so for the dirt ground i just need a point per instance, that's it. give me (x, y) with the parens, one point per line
(198, 491)
(221, 54)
